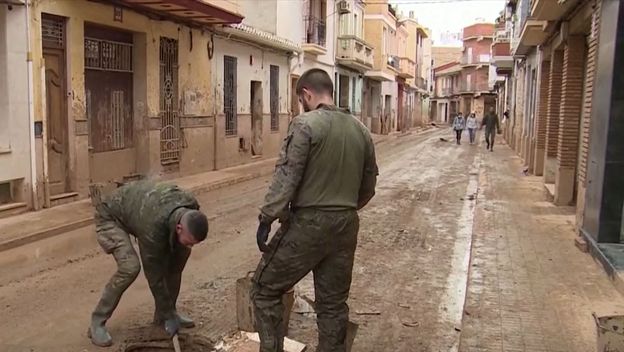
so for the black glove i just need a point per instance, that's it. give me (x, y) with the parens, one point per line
(172, 326)
(262, 235)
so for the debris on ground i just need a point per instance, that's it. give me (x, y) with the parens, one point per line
(367, 313)
(443, 139)
(410, 324)
(406, 306)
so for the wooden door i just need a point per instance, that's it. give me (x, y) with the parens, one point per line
(56, 121)
(256, 118)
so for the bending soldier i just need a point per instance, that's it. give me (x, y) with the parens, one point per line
(325, 173)
(166, 222)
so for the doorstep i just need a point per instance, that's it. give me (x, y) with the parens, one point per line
(611, 256)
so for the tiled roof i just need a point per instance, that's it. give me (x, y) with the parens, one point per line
(270, 39)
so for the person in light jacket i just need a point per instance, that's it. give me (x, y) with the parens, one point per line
(471, 124)
(459, 124)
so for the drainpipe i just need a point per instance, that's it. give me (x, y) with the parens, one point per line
(31, 113)
(44, 137)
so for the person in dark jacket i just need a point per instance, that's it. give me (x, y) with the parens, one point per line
(492, 126)
(166, 222)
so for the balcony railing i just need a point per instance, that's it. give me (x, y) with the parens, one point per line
(500, 49)
(354, 52)
(470, 87)
(502, 36)
(420, 83)
(475, 59)
(393, 62)
(315, 31)
(449, 91)
(407, 67)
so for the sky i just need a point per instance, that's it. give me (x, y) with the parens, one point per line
(450, 15)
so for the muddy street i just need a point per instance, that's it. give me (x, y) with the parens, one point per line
(404, 266)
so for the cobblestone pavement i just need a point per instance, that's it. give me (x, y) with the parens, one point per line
(530, 289)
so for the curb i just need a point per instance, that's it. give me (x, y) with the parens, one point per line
(80, 223)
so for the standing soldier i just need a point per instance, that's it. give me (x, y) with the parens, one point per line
(325, 173)
(166, 222)
(492, 126)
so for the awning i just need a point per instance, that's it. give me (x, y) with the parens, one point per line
(203, 12)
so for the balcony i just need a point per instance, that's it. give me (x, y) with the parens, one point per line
(502, 37)
(420, 83)
(548, 10)
(449, 91)
(354, 53)
(475, 60)
(407, 68)
(474, 87)
(315, 36)
(198, 12)
(532, 34)
(393, 63)
(501, 58)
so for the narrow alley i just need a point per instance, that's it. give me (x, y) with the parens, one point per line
(435, 202)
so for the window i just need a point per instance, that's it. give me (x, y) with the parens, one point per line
(229, 95)
(357, 30)
(274, 99)
(344, 24)
(343, 94)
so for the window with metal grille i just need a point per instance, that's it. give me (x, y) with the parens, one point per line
(108, 55)
(229, 95)
(274, 82)
(52, 31)
(108, 88)
(170, 118)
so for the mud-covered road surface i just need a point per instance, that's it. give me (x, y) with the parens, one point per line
(409, 276)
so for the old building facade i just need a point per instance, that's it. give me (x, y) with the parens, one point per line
(563, 105)
(117, 90)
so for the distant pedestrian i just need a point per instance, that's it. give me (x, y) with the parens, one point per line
(459, 124)
(471, 124)
(492, 126)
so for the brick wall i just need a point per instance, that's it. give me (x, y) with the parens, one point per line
(590, 74)
(542, 112)
(479, 47)
(554, 100)
(571, 101)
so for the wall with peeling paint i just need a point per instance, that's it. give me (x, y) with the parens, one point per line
(253, 64)
(194, 82)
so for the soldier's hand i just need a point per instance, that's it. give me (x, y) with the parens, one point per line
(262, 235)
(172, 326)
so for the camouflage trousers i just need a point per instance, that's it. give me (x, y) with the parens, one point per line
(318, 241)
(116, 241)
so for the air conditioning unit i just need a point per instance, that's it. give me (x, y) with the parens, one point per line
(344, 6)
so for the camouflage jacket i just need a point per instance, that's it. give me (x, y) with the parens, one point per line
(327, 162)
(150, 212)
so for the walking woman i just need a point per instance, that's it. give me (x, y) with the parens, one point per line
(458, 126)
(471, 124)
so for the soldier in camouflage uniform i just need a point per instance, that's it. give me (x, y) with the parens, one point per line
(166, 222)
(326, 172)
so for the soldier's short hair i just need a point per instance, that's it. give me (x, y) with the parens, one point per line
(197, 224)
(316, 80)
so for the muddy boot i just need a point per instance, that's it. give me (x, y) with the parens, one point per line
(99, 335)
(185, 321)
